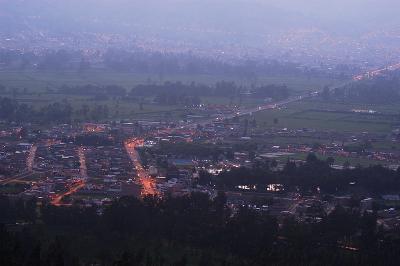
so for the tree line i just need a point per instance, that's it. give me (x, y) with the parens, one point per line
(178, 92)
(188, 230)
(58, 112)
(310, 176)
(380, 90)
(152, 63)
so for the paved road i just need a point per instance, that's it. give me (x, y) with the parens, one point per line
(250, 111)
(376, 72)
(148, 183)
(264, 107)
(77, 185)
(57, 199)
(16, 178)
(29, 165)
(302, 97)
(31, 158)
(82, 162)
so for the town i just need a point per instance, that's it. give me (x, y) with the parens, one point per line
(199, 133)
(91, 164)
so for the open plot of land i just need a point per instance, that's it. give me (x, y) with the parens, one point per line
(309, 114)
(338, 159)
(38, 84)
(387, 145)
(291, 140)
(40, 80)
(389, 108)
(243, 102)
(117, 108)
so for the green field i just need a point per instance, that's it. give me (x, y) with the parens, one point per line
(33, 89)
(387, 145)
(40, 80)
(289, 140)
(118, 109)
(338, 160)
(314, 115)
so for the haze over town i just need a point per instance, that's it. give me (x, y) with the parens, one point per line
(295, 30)
(199, 132)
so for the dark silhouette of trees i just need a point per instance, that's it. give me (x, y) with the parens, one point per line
(189, 230)
(309, 176)
(379, 90)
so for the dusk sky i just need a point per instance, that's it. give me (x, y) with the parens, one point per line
(360, 13)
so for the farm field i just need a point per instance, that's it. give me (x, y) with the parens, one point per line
(117, 108)
(35, 88)
(311, 115)
(39, 81)
(340, 161)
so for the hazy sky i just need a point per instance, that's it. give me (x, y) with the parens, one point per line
(358, 12)
(310, 26)
(196, 17)
(340, 8)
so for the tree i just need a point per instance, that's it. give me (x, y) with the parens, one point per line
(55, 254)
(34, 258)
(85, 110)
(330, 161)
(252, 155)
(326, 93)
(246, 126)
(311, 158)
(205, 178)
(84, 65)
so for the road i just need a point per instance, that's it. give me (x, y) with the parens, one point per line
(57, 199)
(148, 183)
(16, 178)
(290, 100)
(82, 163)
(29, 168)
(30, 161)
(75, 186)
(249, 111)
(376, 72)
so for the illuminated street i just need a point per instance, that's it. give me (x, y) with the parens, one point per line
(57, 199)
(82, 163)
(15, 179)
(377, 72)
(76, 185)
(31, 158)
(148, 183)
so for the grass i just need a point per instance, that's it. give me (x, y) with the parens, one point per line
(12, 189)
(245, 101)
(314, 115)
(388, 146)
(289, 140)
(338, 159)
(40, 80)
